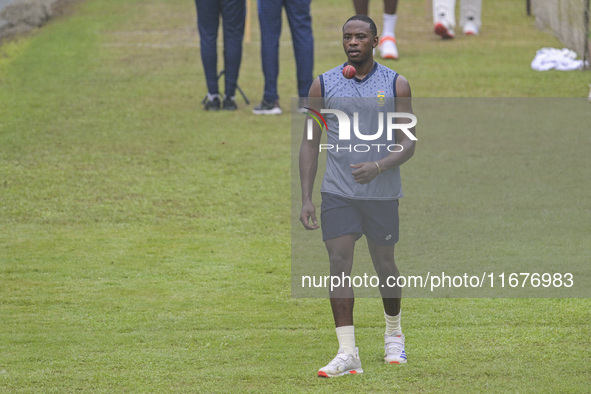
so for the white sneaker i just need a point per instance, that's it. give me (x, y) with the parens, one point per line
(394, 347)
(443, 30)
(342, 364)
(267, 108)
(388, 49)
(470, 29)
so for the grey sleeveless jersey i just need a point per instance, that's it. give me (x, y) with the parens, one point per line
(364, 102)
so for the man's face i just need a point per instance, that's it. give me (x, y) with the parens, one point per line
(358, 41)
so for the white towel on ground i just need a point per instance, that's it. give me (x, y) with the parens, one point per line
(559, 59)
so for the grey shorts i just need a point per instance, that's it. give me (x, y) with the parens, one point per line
(377, 219)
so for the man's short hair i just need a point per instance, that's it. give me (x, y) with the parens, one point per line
(366, 19)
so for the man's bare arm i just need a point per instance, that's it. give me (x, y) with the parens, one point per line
(309, 161)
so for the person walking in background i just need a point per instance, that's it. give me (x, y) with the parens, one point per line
(233, 13)
(300, 24)
(387, 46)
(444, 19)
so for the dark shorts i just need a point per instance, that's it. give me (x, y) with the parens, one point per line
(377, 219)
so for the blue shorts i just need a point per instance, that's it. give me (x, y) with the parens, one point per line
(377, 219)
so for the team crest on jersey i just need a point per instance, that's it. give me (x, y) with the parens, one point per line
(381, 98)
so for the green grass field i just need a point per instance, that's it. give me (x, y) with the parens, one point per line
(145, 243)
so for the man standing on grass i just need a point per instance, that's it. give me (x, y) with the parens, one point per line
(361, 186)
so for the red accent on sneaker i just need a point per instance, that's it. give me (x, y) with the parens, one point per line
(442, 31)
(387, 38)
(384, 39)
(353, 372)
(322, 374)
(394, 362)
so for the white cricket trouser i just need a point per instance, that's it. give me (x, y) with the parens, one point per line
(444, 11)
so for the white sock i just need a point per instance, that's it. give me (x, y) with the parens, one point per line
(389, 24)
(393, 324)
(346, 337)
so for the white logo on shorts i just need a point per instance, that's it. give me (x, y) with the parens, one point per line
(388, 237)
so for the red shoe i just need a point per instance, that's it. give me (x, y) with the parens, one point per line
(442, 30)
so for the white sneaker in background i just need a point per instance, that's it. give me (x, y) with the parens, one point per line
(267, 108)
(470, 29)
(388, 48)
